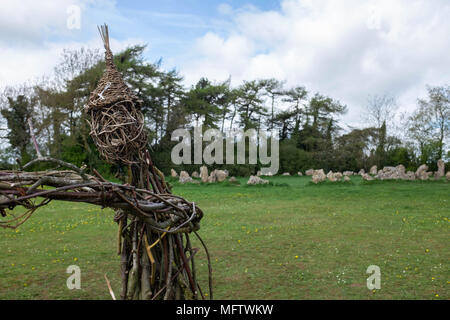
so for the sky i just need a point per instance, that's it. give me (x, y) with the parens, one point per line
(346, 49)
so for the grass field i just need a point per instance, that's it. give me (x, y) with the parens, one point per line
(290, 240)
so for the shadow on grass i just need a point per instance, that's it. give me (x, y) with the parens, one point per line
(266, 185)
(329, 183)
(393, 181)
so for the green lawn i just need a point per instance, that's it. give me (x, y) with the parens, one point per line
(290, 240)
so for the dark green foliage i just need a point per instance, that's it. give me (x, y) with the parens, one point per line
(207, 103)
(309, 129)
(17, 114)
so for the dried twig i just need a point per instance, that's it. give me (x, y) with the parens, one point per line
(111, 292)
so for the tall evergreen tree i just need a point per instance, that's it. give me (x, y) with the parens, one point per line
(250, 104)
(206, 102)
(274, 89)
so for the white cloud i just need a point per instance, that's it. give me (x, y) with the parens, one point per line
(34, 34)
(347, 49)
(30, 22)
(18, 66)
(224, 8)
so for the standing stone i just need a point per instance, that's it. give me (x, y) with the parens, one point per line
(334, 176)
(318, 176)
(421, 172)
(286, 174)
(447, 176)
(173, 173)
(373, 170)
(391, 173)
(300, 173)
(259, 173)
(212, 177)
(405, 175)
(401, 170)
(309, 172)
(367, 177)
(361, 172)
(221, 175)
(184, 177)
(441, 169)
(330, 176)
(347, 173)
(346, 178)
(410, 176)
(232, 179)
(204, 174)
(184, 174)
(194, 174)
(256, 180)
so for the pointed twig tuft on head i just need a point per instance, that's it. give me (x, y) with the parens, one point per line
(105, 36)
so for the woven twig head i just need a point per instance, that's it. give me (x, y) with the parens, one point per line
(117, 125)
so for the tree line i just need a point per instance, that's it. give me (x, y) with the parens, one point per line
(308, 123)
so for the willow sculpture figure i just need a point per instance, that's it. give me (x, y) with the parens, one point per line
(157, 257)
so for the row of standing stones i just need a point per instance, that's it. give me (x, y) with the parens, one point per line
(212, 177)
(387, 173)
